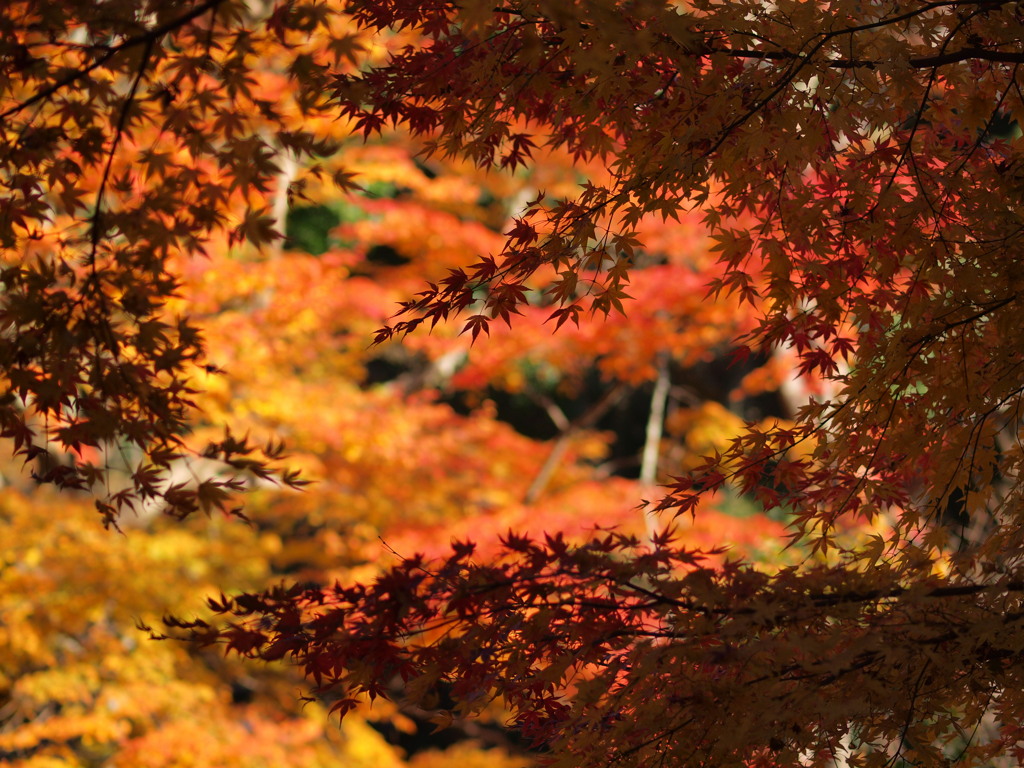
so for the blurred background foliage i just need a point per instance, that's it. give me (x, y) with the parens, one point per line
(407, 446)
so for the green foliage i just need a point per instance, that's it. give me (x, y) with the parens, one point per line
(309, 228)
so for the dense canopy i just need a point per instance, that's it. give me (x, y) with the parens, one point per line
(856, 167)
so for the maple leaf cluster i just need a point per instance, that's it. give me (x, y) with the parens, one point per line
(854, 166)
(843, 177)
(289, 322)
(131, 133)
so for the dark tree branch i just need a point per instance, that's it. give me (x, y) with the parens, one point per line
(95, 227)
(920, 62)
(965, 54)
(147, 38)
